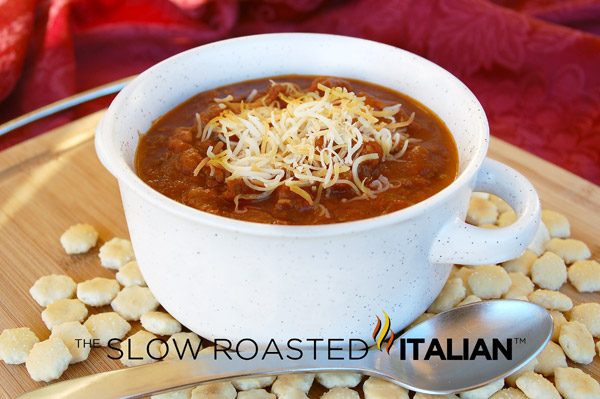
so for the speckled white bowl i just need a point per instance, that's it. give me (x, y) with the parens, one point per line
(225, 278)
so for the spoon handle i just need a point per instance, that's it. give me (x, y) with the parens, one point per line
(141, 381)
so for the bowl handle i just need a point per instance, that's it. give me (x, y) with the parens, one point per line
(462, 243)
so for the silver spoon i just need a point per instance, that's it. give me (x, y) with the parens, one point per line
(527, 326)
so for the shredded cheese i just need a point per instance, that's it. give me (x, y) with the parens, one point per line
(302, 140)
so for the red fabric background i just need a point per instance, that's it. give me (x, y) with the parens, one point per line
(535, 65)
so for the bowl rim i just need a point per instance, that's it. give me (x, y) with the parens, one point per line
(109, 155)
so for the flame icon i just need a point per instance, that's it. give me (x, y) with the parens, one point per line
(380, 333)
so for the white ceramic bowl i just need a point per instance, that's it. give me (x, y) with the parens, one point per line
(225, 278)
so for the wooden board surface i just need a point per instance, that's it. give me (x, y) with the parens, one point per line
(55, 180)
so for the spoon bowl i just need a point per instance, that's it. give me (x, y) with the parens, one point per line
(455, 351)
(475, 336)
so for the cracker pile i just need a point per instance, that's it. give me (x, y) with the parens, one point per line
(552, 260)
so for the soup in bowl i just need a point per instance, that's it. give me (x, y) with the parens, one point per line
(297, 185)
(298, 150)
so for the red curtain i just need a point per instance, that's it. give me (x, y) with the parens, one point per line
(535, 65)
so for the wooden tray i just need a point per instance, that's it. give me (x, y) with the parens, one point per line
(55, 180)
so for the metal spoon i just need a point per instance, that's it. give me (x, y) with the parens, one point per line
(527, 326)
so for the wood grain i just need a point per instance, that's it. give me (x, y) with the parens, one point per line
(55, 180)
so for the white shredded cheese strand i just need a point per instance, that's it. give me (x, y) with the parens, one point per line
(311, 139)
